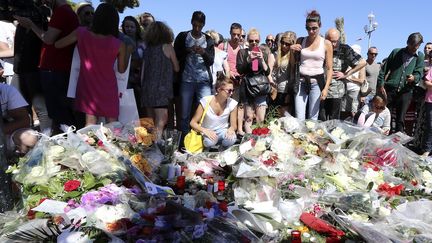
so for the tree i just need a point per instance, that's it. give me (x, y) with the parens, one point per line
(120, 5)
(339, 22)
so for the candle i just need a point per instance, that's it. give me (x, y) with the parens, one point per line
(181, 182)
(296, 236)
(221, 185)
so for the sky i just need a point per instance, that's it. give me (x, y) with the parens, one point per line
(396, 18)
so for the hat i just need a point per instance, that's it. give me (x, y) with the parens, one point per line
(81, 5)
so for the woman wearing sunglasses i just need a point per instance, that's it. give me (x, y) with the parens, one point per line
(282, 73)
(253, 63)
(220, 120)
(312, 84)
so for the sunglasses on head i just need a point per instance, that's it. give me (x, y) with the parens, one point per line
(253, 41)
(311, 28)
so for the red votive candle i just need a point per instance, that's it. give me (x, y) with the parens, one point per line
(296, 236)
(221, 185)
(181, 182)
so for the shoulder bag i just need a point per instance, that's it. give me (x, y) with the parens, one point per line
(193, 141)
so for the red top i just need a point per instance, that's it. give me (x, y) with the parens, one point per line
(97, 91)
(64, 19)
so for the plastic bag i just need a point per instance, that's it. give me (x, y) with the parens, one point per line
(228, 230)
(40, 163)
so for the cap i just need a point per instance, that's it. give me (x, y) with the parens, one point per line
(81, 5)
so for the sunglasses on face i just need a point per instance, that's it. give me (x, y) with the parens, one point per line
(311, 28)
(88, 13)
(253, 41)
(373, 54)
(229, 91)
(283, 43)
(269, 40)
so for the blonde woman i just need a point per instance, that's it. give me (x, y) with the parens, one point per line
(246, 60)
(283, 72)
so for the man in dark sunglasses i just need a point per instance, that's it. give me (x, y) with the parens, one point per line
(85, 12)
(372, 70)
(270, 42)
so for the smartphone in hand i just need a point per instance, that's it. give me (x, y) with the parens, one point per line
(255, 61)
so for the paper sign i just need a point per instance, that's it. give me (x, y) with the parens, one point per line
(51, 206)
(154, 189)
(244, 147)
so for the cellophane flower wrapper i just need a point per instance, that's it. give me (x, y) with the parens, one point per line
(255, 190)
(340, 131)
(228, 229)
(351, 202)
(408, 220)
(40, 163)
(97, 161)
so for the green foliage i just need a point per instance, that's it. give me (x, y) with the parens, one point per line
(120, 5)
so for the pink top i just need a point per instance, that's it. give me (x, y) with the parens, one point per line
(312, 62)
(232, 57)
(428, 96)
(97, 91)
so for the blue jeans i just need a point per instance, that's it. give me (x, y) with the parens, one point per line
(427, 146)
(222, 140)
(189, 91)
(312, 99)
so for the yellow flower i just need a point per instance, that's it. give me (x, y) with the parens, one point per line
(136, 158)
(303, 229)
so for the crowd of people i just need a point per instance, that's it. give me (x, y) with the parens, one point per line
(199, 80)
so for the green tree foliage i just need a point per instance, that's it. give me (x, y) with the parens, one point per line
(120, 5)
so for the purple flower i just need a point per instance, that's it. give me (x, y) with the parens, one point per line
(135, 190)
(291, 187)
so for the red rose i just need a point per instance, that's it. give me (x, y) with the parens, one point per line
(71, 185)
(389, 191)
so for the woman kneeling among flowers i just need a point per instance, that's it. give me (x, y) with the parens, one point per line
(220, 121)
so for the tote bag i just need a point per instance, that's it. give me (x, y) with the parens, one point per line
(193, 141)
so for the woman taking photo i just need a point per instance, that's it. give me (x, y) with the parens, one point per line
(253, 63)
(313, 84)
(220, 122)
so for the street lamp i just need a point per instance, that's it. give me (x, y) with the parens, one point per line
(371, 27)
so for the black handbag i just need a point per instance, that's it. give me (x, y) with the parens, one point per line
(257, 85)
